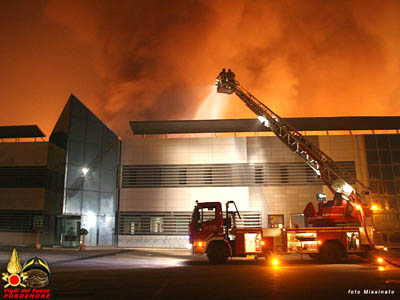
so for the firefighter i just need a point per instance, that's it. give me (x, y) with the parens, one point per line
(230, 76)
(222, 75)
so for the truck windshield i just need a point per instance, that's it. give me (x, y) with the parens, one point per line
(204, 214)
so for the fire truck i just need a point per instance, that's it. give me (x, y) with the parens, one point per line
(331, 231)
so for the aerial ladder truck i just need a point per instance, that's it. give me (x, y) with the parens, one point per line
(337, 228)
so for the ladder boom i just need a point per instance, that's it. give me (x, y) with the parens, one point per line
(325, 167)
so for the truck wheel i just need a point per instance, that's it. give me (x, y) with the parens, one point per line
(217, 253)
(331, 253)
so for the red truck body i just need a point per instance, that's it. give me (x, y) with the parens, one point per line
(216, 235)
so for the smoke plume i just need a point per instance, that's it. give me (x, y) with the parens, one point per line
(157, 59)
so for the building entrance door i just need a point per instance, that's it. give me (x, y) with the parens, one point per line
(70, 233)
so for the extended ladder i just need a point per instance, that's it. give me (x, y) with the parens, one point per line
(325, 167)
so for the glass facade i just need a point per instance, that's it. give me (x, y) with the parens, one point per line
(383, 159)
(90, 175)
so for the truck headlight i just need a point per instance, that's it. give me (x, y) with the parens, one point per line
(274, 262)
(199, 244)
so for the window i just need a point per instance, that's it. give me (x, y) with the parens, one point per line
(259, 174)
(379, 221)
(156, 224)
(156, 178)
(374, 172)
(395, 141)
(386, 204)
(275, 221)
(133, 177)
(284, 175)
(397, 184)
(207, 176)
(182, 176)
(372, 157)
(383, 141)
(134, 225)
(38, 223)
(393, 204)
(384, 156)
(396, 170)
(370, 142)
(396, 156)
(132, 229)
(376, 187)
(207, 214)
(387, 172)
(388, 187)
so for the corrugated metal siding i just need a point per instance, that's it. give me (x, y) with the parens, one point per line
(197, 175)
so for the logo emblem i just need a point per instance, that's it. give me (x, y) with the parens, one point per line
(37, 272)
(34, 274)
(15, 276)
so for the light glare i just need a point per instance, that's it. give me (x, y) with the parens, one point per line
(347, 189)
(85, 171)
(263, 121)
(91, 220)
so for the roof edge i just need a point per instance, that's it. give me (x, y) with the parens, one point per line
(253, 125)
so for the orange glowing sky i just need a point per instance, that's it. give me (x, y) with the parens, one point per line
(151, 60)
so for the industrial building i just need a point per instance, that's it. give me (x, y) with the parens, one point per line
(140, 192)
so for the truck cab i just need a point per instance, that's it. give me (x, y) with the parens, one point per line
(206, 219)
(214, 232)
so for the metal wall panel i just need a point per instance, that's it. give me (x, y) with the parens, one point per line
(196, 175)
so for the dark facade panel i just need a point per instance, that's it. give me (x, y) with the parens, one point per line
(22, 176)
(22, 131)
(20, 221)
(253, 125)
